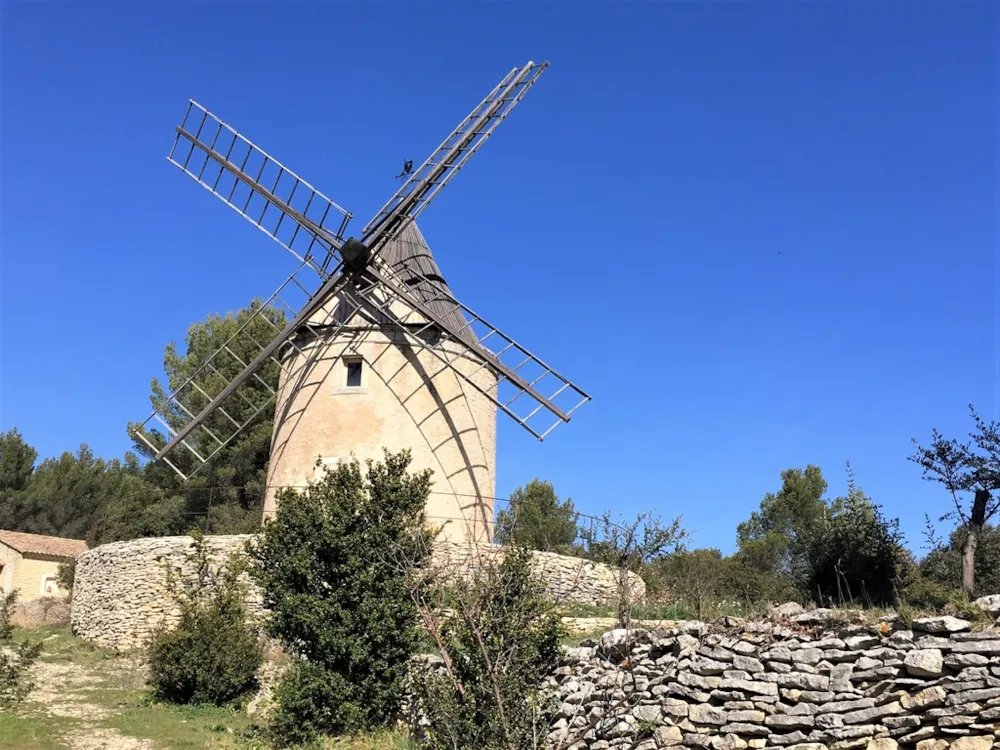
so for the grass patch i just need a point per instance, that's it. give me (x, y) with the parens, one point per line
(114, 686)
(29, 731)
(182, 727)
(60, 645)
(381, 741)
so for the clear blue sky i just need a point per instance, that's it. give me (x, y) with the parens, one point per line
(761, 234)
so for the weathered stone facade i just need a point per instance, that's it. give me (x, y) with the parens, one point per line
(737, 685)
(120, 597)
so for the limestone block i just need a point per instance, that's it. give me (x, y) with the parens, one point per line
(924, 662)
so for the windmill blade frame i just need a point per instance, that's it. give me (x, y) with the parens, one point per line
(181, 421)
(225, 175)
(438, 169)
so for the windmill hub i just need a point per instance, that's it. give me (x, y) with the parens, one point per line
(355, 254)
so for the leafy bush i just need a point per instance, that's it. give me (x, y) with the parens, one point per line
(754, 587)
(213, 654)
(960, 604)
(858, 555)
(695, 578)
(16, 658)
(801, 546)
(500, 643)
(923, 592)
(333, 570)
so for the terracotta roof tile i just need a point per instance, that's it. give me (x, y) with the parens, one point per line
(42, 545)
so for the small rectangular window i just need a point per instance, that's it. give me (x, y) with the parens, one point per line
(354, 374)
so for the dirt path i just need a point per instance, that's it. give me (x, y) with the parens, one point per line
(66, 690)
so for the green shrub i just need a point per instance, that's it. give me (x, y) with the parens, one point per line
(694, 578)
(500, 643)
(857, 555)
(16, 658)
(960, 603)
(213, 654)
(333, 567)
(923, 592)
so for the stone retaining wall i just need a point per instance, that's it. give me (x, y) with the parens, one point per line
(120, 597)
(802, 686)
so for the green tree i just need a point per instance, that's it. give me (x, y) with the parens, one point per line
(775, 540)
(17, 461)
(81, 496)
(857, 554)
(333, 570)
(630, 547)
(231, 487)
(970, 472)
(536, 518)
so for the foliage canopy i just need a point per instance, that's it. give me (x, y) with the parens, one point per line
(970, 472)
(16, 658)
(501, 642)
(536, 518)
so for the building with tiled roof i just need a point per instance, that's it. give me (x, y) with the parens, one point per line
(30, 563)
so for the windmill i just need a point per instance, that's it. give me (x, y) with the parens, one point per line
(376, 350)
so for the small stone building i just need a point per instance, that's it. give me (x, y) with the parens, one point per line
(30, 563)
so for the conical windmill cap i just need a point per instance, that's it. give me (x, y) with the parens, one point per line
(411, 259)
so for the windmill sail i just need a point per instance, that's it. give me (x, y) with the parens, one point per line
(235, 385)
(259, 188)
(447, 160)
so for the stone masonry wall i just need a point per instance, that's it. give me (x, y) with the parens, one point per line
(567, 579)
(804, 685)
(120, 598)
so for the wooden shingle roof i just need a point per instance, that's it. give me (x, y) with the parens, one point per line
(410, 257)
(38, 544)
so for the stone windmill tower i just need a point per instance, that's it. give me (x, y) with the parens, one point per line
(367, 388)
(378, 352)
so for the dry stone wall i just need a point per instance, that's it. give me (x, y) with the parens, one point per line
(120, 596)
(567, 579)
(801, 686)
